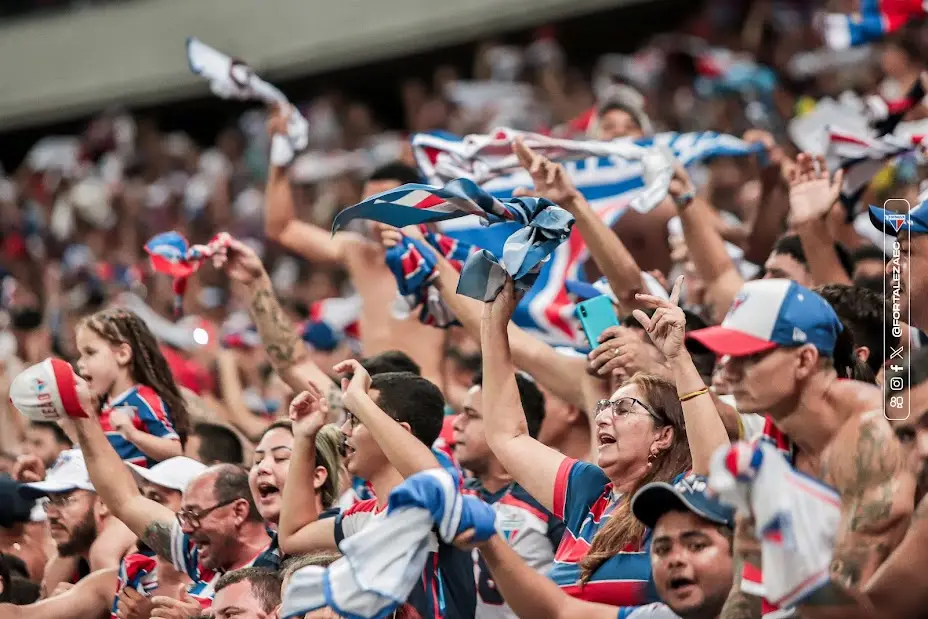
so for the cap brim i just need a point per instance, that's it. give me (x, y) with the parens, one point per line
(659, 498)
(890, 222)
(723, 341)
(44, 488)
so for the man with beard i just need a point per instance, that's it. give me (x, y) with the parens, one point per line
(782, 340)
(75, 513)
(218, 528)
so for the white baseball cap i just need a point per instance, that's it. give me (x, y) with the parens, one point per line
(174, 473)
(47, 391)
(68, 474)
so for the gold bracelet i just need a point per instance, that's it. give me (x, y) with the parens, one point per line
(690, 396)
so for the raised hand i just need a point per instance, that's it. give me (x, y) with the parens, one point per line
(551, 180)
(308, 413)
(133, 605)
(622, 352)
(356, 386)
(500, 309)
(277, 120)
(239, 262)
(181, 607)
(391, 237)
(811, 193)
(667, 325)
(681, 190)
(28, 469)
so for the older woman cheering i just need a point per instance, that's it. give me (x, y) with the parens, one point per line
(640, 437)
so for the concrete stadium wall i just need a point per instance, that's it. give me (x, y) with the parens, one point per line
(60, 66)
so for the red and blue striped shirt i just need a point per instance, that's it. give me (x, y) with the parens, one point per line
(584, 500)
(149, 414)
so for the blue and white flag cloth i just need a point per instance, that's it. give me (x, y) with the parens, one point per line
(384, 561)
(230, 78)
(541, 227)
(874, 20)
(608, 174)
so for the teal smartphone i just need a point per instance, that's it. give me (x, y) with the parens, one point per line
(595, 316)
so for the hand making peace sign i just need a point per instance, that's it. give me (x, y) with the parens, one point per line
(667, 326)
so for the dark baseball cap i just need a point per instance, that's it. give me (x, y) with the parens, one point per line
(14, 508)
(691, 493)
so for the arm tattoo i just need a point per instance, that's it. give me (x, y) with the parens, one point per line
(281, 340)
(157, 536)
(866, 483)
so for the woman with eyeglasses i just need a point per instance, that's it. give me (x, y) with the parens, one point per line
(640, 438)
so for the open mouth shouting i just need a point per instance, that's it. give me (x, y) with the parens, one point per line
(605, 439)
(267, 492)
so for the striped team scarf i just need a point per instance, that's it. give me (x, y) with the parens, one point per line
(171, 254)
(608, 181)
(541, 226)
(414, 265)
(230, 78)
(874, 20)
(383, 562)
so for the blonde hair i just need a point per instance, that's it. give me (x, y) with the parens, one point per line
(328, 456)
(623, 528)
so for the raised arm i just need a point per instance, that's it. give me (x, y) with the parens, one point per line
(300, 530)
(811, 197)
(706, 246)
(532, 464)
(557, 372)
(280, 221)
(608, 252)
(150, 521)
(705, 429)
(285, 348)
(406, 453)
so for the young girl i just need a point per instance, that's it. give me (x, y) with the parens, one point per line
(142, 410)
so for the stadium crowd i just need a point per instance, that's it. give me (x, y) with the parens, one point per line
(709, 408)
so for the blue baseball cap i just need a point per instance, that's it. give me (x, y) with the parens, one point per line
(768, 313)
(691, 493)
(892, 223)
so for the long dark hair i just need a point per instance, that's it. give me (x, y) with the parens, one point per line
(623, 528)
(148, 366)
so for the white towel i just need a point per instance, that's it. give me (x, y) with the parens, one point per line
(796, 518)
(384, 561)
(233, 79)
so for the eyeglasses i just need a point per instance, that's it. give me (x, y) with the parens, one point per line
(626, 406)
(192, 518)
(61, 501)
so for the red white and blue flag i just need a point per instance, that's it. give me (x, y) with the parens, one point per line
(874, 20)
(609, 174)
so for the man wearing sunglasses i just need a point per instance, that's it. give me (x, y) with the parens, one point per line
(217, 530)
(783, 341)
